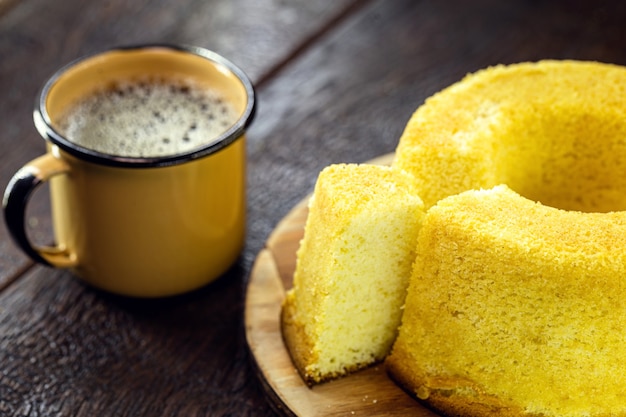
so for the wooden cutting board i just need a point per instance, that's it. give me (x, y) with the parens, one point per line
(366, 393)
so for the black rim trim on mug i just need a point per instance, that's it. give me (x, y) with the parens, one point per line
(44, 124)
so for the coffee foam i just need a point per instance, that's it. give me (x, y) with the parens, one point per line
(148, 118)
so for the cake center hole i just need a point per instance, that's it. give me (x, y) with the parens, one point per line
(568, 160)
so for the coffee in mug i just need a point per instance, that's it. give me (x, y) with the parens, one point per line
(146, 166)
(148, 117)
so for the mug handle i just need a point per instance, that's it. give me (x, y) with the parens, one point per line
(16, 197)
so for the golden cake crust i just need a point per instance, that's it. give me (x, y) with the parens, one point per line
(298, 344)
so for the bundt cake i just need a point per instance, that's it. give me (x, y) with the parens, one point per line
(515, 308)
(352, 270)
(515, 304)
(515, 300)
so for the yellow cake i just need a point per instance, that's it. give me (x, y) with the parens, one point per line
(352, 271)
(516, 307)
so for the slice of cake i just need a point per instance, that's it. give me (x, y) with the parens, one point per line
(352, 270)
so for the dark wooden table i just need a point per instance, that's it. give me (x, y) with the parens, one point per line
(337, 81)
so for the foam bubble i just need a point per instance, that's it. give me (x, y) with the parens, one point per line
(148, 118)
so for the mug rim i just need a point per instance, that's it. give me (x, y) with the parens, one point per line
(235, 131)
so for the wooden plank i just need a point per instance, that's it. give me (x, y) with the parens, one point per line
(66, 349)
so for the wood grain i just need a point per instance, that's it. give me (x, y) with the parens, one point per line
(369, 392)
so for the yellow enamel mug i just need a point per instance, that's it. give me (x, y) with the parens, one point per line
(139, 226)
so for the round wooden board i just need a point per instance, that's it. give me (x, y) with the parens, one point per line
(366, 393)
